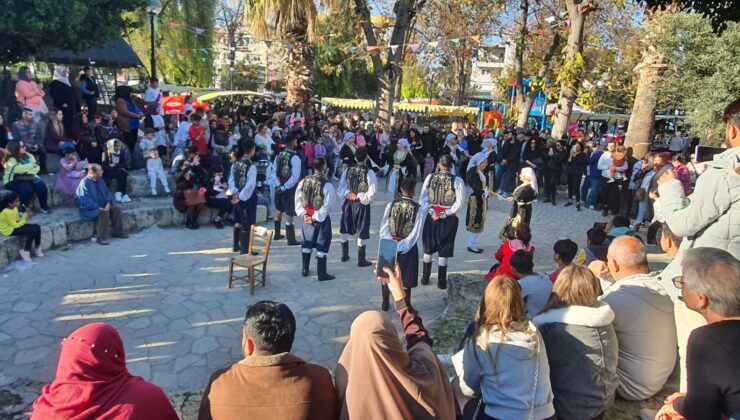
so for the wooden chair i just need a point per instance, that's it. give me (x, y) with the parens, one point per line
(260, 241)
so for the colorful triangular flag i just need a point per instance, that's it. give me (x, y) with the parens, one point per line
(371, 48)
(290, 46)
(352, 50)
(394, 48)
(434, 44)
(414, 47)
(475, 38)
(199, 31)
(455, 40)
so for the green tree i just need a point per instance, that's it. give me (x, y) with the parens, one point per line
(31, 26)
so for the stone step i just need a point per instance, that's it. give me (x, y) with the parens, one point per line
(63, 225)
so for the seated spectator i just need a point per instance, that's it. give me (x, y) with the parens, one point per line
(96, 202)
(28, 131)
(270, 382)
(190, 176)
(377, 378)
(12, 223)
(155, 170)
(56, 136)
(595, 249)
(86, 137)
(619, 226)
(216, 188)
(581, 345)
(535, 287)
(71, 171)
(115, 162)
(21, 176)
(710, 286)
(147, 143)
(564, 252)
(643, 321)
(92, 382)
(505, 361)
(516, 238)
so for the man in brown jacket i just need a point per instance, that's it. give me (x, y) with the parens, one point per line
(270, 382)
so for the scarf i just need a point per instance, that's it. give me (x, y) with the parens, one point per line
(59, 75)
(530, 175)
(377, 378)
(22, 74)
(92, 382)
(110, 148)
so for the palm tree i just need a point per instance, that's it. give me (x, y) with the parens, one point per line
(292, 22)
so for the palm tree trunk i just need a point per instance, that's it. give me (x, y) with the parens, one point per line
(640, 129)
(569, 88)
(299, 59)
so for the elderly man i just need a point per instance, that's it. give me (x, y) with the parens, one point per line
(96, 202)
(29, 132)
(270, 382)
(643, 321)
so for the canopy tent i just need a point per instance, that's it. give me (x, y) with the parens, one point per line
(114, 54)
(430, 109)
(213, 95)
(180, 90)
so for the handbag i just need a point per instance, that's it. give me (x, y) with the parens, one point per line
(21, 177)
(193, 197)
(640, 194)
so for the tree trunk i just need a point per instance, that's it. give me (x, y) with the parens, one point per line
(299, 60)
(525, 108)
(569, 88)
(519, 65)
(640, 129)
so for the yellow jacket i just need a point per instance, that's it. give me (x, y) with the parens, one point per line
(13, 168)
(9, 221)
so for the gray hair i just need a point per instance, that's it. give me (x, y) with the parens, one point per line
(714, 273)
(628, 252)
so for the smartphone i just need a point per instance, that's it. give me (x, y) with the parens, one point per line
(600, 225)
(386, 257)
(706, 153)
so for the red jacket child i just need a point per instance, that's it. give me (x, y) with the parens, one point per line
(198, 139)
(503, 255)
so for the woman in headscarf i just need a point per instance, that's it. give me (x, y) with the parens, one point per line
(403, 165)
(377, 378)
(31, 94)
(347, 152)
(128, 116)
(475, 220)
(489, 145)
(522, 197)
(92, 382)
(114, 167)
(64, 96)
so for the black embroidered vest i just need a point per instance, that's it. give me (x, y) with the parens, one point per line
(357, 178)
(312, 192)
(441, 189)
(402, 217)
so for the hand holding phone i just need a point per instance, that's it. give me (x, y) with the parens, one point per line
(394, 282)
(386, 257)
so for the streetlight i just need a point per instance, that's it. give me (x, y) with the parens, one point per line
(154, 8)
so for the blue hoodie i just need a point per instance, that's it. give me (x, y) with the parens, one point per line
(593, 162)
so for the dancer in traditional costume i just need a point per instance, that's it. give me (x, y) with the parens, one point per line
(402, 164)
(475, 219)
(522, 198)
(357, 187)
(348, 150)
(242, 183)
(287, 173)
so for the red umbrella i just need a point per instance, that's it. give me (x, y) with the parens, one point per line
(176, 104)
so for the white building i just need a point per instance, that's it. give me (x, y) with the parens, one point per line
(492, 62)
(248, 51)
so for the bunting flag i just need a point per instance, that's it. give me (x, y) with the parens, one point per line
(352, 50)
(455, 40)
(550, 19)
(414, 47)
(371, 48)
(434, 44)
(475, 38)
(567, 22)
(290, 46)
(199, 31)
(543, 31)
(394, 48)
(332, 49)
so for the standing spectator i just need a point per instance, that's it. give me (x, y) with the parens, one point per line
(554, 166)
(536, 287)
(508, 159)
(71, 172)
(581, 345)
(377, 378)
(197, 136)
(92, 382)
(15, 223)
(641, 177)
(505, 361)
(96, 202)
(643, 320)
(592, 182)
(153, 96)
(21, 176)
(678, 144)
(30, 94)
(710, 286)
(115, 166)
(64, 95)
(270, 381)
(128, 116)
(575, 167)
(90, 92)
(610, 191)
(28, 131)
(682, 173)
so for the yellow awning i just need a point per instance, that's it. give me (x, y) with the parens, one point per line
(432, 110)
(213, 95)
(365, 104)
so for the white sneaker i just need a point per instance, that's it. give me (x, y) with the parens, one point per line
(167, 191)
(126, 199)
(118, 197)
(25, 255)
(154, 192)
(37, 252)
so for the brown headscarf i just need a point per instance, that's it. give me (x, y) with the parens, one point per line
(377, 379)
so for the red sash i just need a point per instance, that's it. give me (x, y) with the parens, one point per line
(310, 211)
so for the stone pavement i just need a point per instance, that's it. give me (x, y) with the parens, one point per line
(165, 291)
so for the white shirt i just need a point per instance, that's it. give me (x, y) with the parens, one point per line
(364, 197)
(154, 165)
(678, 144)
(404, 245)
(152, 95)
(248, 189)
(320, 214)
(459, 193)
(182, 136)
(605, 162)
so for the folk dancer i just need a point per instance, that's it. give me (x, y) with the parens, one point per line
(522, 198)
(313, 200)
(403, 222)
(475, 219)
(242, 183)
(442, 195)
(357, 187)
(287, 173)
(347, 152)
(403, 165)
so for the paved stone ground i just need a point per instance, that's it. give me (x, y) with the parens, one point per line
(165, 291)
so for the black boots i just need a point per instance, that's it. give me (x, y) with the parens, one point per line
(442, 277)
(306, 261)
(235, 244)
(278, 236)
(427, 272)
(243, 242)
(361, 261)
(386, 293)
(290, 234)
(321, 269)
(345, 251)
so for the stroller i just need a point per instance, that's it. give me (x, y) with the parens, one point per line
(265, 184)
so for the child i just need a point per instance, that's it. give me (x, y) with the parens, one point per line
(152, 95)
(682, 173)
(148, 142)
(155, 170)
(565, 250)
(12, 223)
(309, 152)
(618, 159)
(595, 248)
(197, 136)
(156, 122)
(620, 225)
(428, 165)
(318, 149)
(516, 238)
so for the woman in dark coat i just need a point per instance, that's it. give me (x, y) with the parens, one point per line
(64, 96)
(189, 176)
(554, 166)
(87, 143)
(475, 219)
(521, 199)
(575, 167)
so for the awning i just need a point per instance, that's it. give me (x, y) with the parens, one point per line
(114, 54)
(213, 95)
(429, 109)
(364, 104)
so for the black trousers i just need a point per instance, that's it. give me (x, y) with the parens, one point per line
(130, 138)
(574, 187)
(92, 107)
(610, 194)
(31, 232)
(551, 183)
(121, 177)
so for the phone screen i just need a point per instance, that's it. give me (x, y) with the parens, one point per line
(600, 225)
(386, 256)
(706, 153)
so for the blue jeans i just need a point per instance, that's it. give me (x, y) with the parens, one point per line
(593, 184)
(503, 177)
